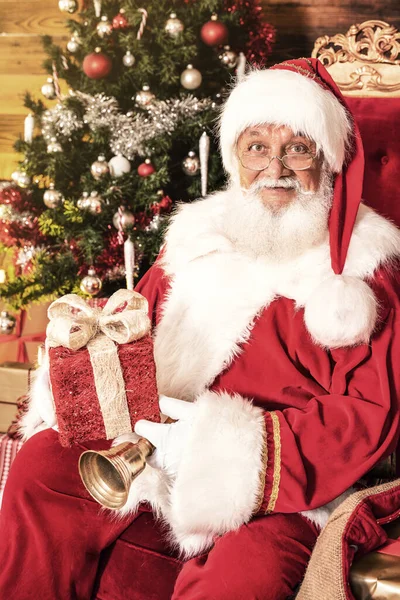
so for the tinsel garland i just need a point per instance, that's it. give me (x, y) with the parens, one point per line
(130, 134)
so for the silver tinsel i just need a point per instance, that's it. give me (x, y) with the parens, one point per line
(130, 134)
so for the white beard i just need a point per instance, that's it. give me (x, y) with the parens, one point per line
(278, 235)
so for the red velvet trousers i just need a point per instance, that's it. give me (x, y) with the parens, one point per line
(52, 534)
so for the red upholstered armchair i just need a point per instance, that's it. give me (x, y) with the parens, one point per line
(366, 64)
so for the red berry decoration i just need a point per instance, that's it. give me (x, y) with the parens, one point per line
(214, 32)
(97, 65)
(120, 21)
(146, 168)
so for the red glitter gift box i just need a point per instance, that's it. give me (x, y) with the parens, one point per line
(102, 369)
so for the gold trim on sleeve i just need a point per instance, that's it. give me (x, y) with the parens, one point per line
(263, 472)
(277, 462)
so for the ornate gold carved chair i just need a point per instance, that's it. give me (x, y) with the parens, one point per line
(365, 63)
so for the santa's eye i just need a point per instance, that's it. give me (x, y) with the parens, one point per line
(257, 148)
(297, 149)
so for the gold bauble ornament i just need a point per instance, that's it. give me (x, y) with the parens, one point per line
(144, 97)
(68, 6)
(104, 28)
(228, 57)
(125, 220)
(83, 202)
(174, 26)
(99, 168)
(7, 323)
(54, 146)
(191, 164)
(191, 78)
(95, 203)
(52, 198)
(91, 284)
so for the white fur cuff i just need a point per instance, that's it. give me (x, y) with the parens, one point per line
(217, 488)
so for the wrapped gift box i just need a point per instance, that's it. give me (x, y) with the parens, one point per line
(14, 383)
(102, 369)
(376, 576)
(28, 335)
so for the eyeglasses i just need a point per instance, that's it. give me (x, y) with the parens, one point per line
(293, 162)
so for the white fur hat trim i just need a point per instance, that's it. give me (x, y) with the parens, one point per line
(282, 97)
(342, 311)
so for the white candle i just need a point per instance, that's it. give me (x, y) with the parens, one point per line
(29, 126)
(241, 67)
(129, 259)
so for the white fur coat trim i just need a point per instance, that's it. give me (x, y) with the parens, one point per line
(217, 292)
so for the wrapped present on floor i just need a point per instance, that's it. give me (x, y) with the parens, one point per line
(102, 370)
(14, 383)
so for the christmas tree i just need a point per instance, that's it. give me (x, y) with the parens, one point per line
(133, 135)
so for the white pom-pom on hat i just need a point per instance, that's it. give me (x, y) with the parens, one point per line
(341, 311)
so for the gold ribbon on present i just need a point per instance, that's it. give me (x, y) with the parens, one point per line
(74, 324)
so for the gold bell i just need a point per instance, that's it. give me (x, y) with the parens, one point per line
(108, 474)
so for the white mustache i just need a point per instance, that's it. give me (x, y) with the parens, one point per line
(283, 182)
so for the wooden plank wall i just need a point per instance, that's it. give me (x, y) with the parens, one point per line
(22, 23)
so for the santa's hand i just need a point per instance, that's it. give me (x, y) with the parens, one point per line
(169, 439)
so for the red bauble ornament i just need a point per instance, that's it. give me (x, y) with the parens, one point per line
(146, 169)
(97, 65)
(214, 32)
(120, 21)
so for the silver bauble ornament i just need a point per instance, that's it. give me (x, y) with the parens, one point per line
(99, 168)
(128, 59)
(228, 57)
(48, 89)
(104, 28)
(54, 146)
(15, 175)
(95, 203)
(68, 6)
(7, 322)
(73, 44)
(125, 220)
(83, 202)
(119, 165)
(52, 198)
(24, 180)
(144, 97)
(154, 224)
(191, 78)
(91, 284)
(174, 26)
(191, 164)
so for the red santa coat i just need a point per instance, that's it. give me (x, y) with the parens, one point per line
(297, 369)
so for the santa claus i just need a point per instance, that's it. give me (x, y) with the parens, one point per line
(274, 304)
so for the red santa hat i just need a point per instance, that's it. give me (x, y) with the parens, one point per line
(302, 95)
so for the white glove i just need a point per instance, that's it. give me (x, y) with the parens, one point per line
(168, 438)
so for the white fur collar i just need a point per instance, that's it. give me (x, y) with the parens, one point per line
(217, 293)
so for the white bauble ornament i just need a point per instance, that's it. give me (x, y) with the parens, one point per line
(15, 175)
(24, 180)
(119, 165)
(104, 28)
(73, 45)
(123, 220)
(48, 89)
(52, 198)
(128, 59)
(83, 202)
(68, 6)
(91, 284)
(7, 322)
(54, 146)
(191, 164)
(144, 97)
(174, 26)
(191, 78)
(99, 168)
(228, 57)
